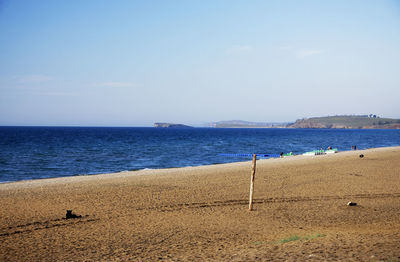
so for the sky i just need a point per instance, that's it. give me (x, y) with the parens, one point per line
(133, 63)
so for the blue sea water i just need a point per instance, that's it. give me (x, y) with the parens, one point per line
(43, 152)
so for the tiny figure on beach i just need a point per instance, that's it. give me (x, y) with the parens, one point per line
(281, 154)
(353, 147)
(329, 148)
(71, 215)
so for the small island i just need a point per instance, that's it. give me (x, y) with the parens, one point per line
(170, 125)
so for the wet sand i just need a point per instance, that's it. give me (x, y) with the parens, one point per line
(201, 213)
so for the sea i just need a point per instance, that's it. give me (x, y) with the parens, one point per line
(45, 152)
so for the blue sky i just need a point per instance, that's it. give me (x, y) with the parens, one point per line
(133, 63)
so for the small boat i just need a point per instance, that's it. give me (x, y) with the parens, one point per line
(321, 152)
(314, 153)
(331, 151)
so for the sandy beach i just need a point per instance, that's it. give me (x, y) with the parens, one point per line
(201, 213)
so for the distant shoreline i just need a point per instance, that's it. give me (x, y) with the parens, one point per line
(334, 122)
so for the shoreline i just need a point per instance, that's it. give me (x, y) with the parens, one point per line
(155, 172)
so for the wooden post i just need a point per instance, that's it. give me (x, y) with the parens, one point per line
(253, 174)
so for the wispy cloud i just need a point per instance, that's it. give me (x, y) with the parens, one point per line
(240, 49)
(114, 84)
(32, 79)
(300, 53)
(59, 94)
(286, 47)
(303, 53)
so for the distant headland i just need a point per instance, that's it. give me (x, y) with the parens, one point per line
(170, 125)
(245, 124)
(339, 122)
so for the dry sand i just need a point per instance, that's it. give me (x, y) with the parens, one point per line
(200, 213)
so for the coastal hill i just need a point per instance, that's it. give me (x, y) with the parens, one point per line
(170, 125)
(347, 121)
